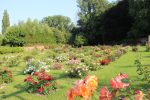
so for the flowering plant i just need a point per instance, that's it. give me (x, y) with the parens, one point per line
(11, 61)
(77, 71)
(93, 66)
(5, 76)
(57, 66)
(119, 90)
(40, 82)
(61, 58)
(74, 62)
(83, 88)
(33, 66)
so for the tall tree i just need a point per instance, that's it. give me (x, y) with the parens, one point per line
(140, 10)
(117, 22)
(89, 10)
(5, 22)
(60, 22)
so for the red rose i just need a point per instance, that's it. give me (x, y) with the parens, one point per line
(105, 62)
(49, 78)
(28, 79)
(47, 84)
(36, 73)
(33, 82)
(40, 90)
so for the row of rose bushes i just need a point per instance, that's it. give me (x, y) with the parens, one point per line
(120, 89)
(61, 55)
(75, 67)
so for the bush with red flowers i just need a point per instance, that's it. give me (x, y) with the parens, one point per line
(40, 82)
(105, 62)
(5, 76)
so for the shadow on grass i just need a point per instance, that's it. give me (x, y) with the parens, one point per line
(61, 76)
(146, 56)
(128, 66)
(14, 94)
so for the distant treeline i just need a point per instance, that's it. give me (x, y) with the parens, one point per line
(100, 22)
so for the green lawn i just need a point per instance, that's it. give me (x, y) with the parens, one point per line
(125, 64)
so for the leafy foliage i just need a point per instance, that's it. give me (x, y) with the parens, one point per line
(14, 37)
(60, 22)
(80, 40)
(5, 76)
(143, 71)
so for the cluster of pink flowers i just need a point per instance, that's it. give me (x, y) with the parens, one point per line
(116, 83)
(74, 62)
(83, 88)
(57, 66)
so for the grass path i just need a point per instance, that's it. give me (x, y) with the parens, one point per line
(125, 64)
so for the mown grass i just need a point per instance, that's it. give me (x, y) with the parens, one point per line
(125, 64)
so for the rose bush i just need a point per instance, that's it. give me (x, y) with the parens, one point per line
(83, 88)
(5, 76)
(40, 82)
(77, 72)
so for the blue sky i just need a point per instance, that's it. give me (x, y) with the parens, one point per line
(37, 9)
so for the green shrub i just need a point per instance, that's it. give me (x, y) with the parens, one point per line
(14, 37)
(13, 62)
(80, 40)
(4, 50)
(143, 71)
(5, 76)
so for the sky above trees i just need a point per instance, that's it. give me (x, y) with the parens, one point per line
(37, 9)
